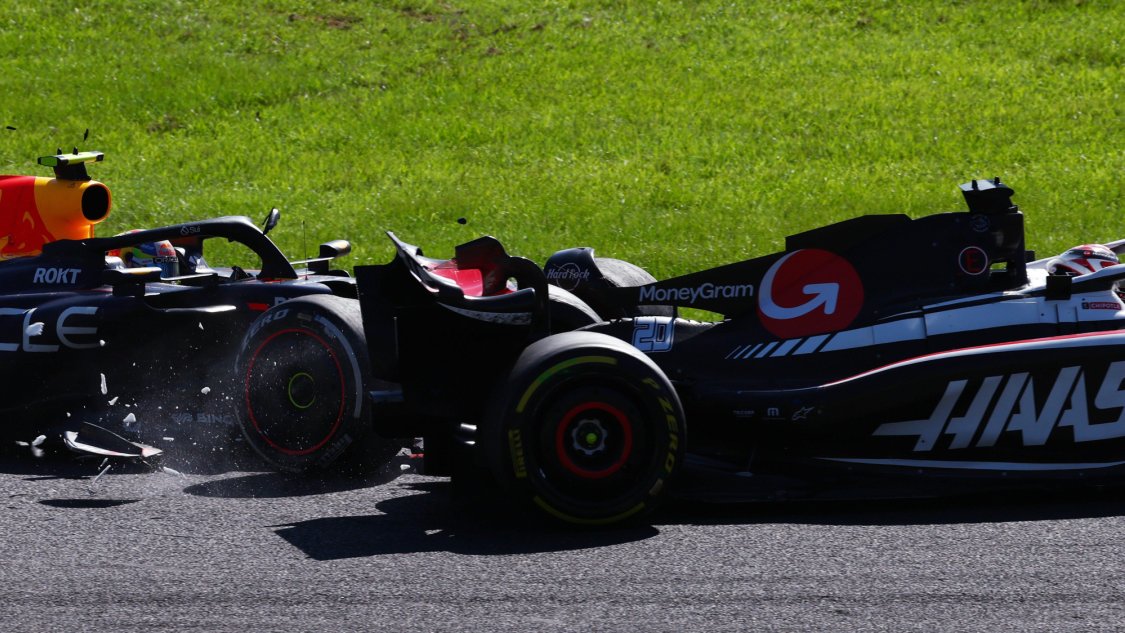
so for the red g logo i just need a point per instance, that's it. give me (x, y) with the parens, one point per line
(809, 291)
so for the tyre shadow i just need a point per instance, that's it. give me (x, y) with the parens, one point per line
(275, 485)
(430, 521)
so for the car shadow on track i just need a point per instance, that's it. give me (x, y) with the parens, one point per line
(436, 520)
(276, 485)
(432, 522)
(86, 504)
(340, 478)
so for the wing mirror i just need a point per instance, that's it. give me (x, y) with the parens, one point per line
(328, 252)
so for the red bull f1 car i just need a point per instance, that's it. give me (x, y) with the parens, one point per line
(831, 373)
(135, 332)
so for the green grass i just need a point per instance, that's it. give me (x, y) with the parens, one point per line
(672, 134)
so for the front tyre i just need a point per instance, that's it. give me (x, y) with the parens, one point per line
(587, 428)
(303, 366)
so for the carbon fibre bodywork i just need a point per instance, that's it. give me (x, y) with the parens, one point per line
(85, 338)
(830, 373)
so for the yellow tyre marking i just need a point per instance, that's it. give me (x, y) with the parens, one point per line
(543, 377)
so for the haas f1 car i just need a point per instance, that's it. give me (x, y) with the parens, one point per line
(136, 331)
(879, 356)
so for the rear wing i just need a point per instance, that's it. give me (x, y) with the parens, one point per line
(862, 269)
(525, 305)
(440, 341)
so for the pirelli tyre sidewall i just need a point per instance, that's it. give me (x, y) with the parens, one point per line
(302, 366)
(587, 428)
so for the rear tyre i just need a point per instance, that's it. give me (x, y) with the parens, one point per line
(568, 312)
(586, 428)
(619, 273)
(303, 366)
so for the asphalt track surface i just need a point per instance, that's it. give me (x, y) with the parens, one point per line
(227, 548)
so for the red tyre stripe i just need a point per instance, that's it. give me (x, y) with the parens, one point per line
(250, 407)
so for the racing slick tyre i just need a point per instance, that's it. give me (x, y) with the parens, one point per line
(303, 366)
(619, 273)
(568, 312)
(585, 427)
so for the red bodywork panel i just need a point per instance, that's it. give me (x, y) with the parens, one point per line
(35, 211)
(469, 280)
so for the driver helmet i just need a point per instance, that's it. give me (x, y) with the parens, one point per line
(1082, 260)
(160, 254)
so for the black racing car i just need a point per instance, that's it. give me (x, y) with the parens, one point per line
(882, 355)
(136, 332)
